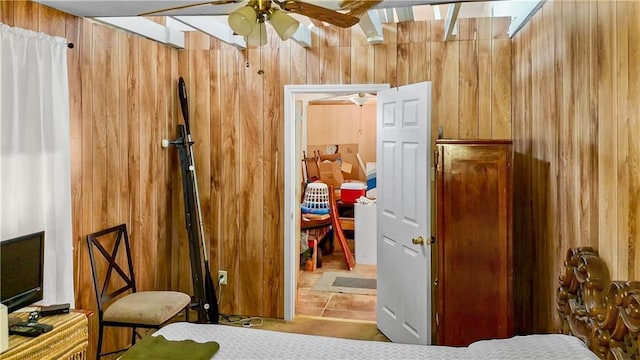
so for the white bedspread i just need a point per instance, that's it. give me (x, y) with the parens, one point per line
(243, 343)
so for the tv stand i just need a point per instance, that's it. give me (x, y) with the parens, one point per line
(69, 339)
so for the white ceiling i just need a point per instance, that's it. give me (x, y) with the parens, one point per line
(210, 18)
(95, 8)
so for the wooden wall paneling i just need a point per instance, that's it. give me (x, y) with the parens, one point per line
(549, 136)
(419, 62)
(6, 12)
(522, 249)
(344, 37)
(380, 64)
(402, 56)
(344, 44)
(467, 29)
(480, 31)
(586, 129)
(485, 61)
(103, 46)
(444, 63)
(561, 19)
(500, 27)
(436, 30)
(150, 104)
(501, 89)
(215, 163)
(469, 114)
(402, 65)
(85, 299)
(362, 64)
(403, 33)
(362, 58)
(591, 162)
(390, 34)
(230, 66)
(419, 37)
(134, 119)
(392, 64)
(25, 15)
(634, 141)
(298, 65)
(73, 31)
(329, 64)
(272, 113)
(144, 241)
(313, 59)
(250, 241)
(166, 121)
(420, 32)
(593, 118)
(539, 174)
(103, 211)
(607, 137)
(621, 102)
(121, 133)
(199, 87)
(51, 21)
(345, 65)
(468, 78)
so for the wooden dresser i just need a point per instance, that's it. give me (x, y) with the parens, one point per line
(474, 270)
(69, 339)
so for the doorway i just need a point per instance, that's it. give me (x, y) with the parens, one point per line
(292, 121)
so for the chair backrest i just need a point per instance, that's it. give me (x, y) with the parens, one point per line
(111, 264)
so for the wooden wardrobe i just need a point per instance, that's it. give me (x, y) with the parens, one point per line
(474, 271)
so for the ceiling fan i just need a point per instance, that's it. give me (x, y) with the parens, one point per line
(243, 21)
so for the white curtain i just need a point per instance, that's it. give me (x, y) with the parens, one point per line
(35, 176)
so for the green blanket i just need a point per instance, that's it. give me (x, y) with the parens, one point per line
(157, 347)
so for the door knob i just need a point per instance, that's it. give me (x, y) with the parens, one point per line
(418, 240)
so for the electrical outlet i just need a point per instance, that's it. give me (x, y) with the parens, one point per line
(222, 277)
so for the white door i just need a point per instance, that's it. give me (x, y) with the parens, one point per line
(403, 201)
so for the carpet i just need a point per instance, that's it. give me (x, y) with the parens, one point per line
(346, 283)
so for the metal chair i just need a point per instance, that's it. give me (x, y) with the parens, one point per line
(119, 302)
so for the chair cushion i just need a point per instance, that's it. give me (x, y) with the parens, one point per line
(147, 307)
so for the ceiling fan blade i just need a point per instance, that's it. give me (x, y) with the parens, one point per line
(358, 7)
(217, 2)
(319, 13)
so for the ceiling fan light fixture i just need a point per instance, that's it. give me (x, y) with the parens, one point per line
(243, 20)
(258, 36)
(284, 24)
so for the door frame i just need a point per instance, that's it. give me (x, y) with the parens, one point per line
(291, 162)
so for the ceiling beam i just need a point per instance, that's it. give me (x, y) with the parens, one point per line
(302, 36)
(525, 11)
(213, 27)
(372, 27)
(404, 14)
(146, 28)
(386, 15)
(451, 22)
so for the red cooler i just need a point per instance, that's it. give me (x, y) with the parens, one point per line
(351, 191)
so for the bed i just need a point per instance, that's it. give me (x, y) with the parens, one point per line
(600, 319)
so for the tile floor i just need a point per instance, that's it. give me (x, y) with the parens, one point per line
(334, 305)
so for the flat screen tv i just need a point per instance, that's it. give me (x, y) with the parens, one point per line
(21, 270)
